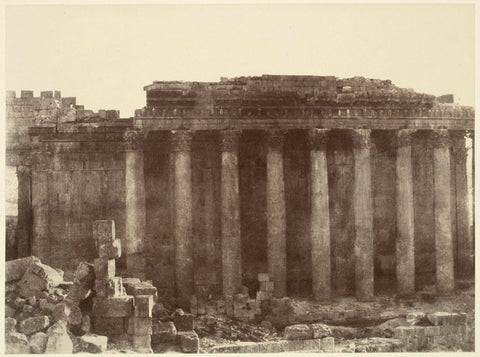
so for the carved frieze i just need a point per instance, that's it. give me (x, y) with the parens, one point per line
(133, 139)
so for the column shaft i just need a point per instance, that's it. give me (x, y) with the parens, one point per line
(443, 219)
(230, 215)
(135, 218)
(405, 244)
(24, 222)
(320, 217)
(363, 212)
(182, 217)
(276, 219)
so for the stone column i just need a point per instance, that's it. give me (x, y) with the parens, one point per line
(320, 216)
(182, 217)
(363, 213)
(442, 209)
(135, 216)
(465, 261)
(230, 214)
(405, 243)
(276, 220)
(24, 221)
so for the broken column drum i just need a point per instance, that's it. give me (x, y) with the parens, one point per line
(304, 183)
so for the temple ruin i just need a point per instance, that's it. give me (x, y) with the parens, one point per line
(333, 187)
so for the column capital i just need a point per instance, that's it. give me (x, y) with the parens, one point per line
(133, 139)
(361, 138)
(24, 171)
(440, 138)
(274, 138)
(229, 140)
(181, 140)
(317, 138)
(404, 137)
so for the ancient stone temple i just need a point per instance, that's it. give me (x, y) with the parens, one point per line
(333, 187)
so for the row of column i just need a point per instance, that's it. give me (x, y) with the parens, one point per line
(276, 215)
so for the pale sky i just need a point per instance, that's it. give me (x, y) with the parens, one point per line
(104, 55)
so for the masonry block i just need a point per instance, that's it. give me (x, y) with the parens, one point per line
(113, 307)
(220, 306)
(112, 250)
(267, 286)
(104, 268)
(189, 341)
(163, 332)
(110, 287)
(142, 343)
(108, 325)
(141, 288)
(139, 326)
(183, 321)
(143, 305)
(104, 231)
(298, 332)
(328, 344)
(264, 295)
(440, 318)
(263, 277)
(432, 330)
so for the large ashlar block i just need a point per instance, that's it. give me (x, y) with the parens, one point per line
(104, 268)
(143, 305)
(139, 326)
(110, 287)
(113, 307)
(104, 231)
(111, 250)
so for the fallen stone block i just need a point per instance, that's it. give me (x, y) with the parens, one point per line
(58, 339)
(414, 318)
(86, 325)
(143, 305)
(110, 287)
(121, 306)
(163, 332)
(33, 324)
(15, 269)
(38, 342)
(111, 250)
(68, 312)
(37, 278)
(139, 326)
(264, 295)
(328, 344)
(103, 231)
(159, 310)
(320, 330)
(104, 268)
(16, 343)
(142, 343)
(45, 306)
(440, 318)
(84, 274)
(140, 288)
(91, 343)
(189, 341)
(183, 321)
(9, 311)
(78, 292)
(298, 332)
(108, 326)
(10, 324)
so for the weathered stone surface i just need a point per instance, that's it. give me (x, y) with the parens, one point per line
(142, 343)
(9, 311)
(15, 269)
(37, 278)
(79, 292)
(143, 305)
(263, 277)
(111, 250)
(183, 321)
(414, 318)
(104, 268)
(84, 274)
(58, 339)
(320, 330)
(16, 343)
(38, 342)
(139, 326)
(86, 324)
(141, 288)
(103, 231)
(267, 286)
(298, 332)
(121, 306)
(33, 324)
(45, 306)
(108, 325)
(109, 287)
(163, 332)
(68, 312)
(10, 324)
(440, 318)
(91, 343)
(189, 341)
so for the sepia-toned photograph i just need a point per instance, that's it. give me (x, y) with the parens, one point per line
(238, 177)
